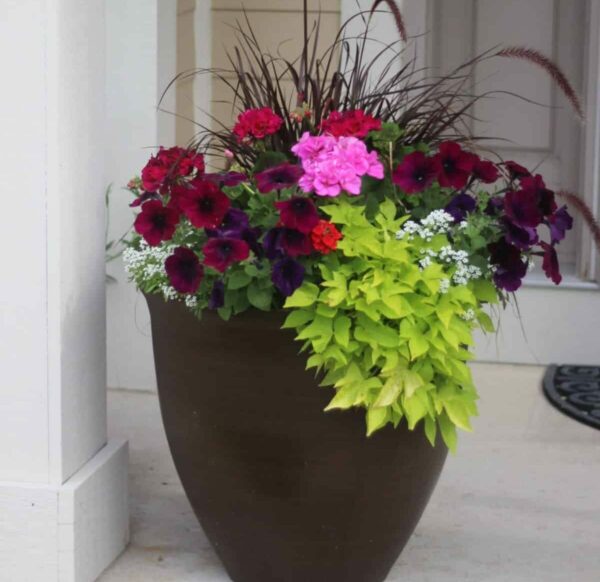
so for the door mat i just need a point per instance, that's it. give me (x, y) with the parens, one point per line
(575, 391)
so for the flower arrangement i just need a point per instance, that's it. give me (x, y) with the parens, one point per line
(362, 208)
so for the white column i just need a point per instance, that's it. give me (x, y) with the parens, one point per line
(140, 63)
(63, 487)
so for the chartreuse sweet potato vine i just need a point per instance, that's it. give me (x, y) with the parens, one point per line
(390, 336)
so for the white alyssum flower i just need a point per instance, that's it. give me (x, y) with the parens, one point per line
(191, 301)
(436, 222)
(468, 315)
(444, 286)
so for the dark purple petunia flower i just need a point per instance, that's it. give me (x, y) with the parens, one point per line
(220, 253)
(534, 186)
(156, 222)
(272, 244)
(559, 223)
(494, 206)
(460, 206)
(226, 178)
(299, 213)
(522, 238)
(277, 178)
(510, 266)
(454, 165)
(522, 208)
(235, 222)
(217, 295)
(415, 173)
(516, 171)
(287, 275)
(486, 171)
(295, 243)
(184, 270)
(550, 263)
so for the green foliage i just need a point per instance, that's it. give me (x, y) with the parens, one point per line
(384, 332)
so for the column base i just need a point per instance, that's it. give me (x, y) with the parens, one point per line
(69, 533)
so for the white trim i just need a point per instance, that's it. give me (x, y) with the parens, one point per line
(203, 45)
(589, 261)
(66, 533)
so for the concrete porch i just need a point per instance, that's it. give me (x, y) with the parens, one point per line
(520, 502)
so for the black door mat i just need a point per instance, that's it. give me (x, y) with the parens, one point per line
(575, 391)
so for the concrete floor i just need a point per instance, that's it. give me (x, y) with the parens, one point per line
(520, 502)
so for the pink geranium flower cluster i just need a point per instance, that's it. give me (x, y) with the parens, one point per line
(333, 165)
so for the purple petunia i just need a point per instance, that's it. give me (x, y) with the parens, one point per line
(460, 206)
(217, 295)
(229, 179)
(522, 238)
(287, 275)
(277, 178)
(184, 270)
(415, 173)
(509, 264)
(559, 223)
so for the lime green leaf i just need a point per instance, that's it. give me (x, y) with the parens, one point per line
(376, 419)
(457, 414)
(486, 322)
(341, 330)
(297, 318)
(304, 296)
(448, 431)
(485, 291)
(430, 430)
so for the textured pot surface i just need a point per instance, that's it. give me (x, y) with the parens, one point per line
(284, 491)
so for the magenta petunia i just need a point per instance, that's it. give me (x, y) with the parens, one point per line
(205, 204)
(184, 270)
(156, 222)
(454, 165)
(521, 207)
(486, 171)
(220, 253)
(298, 213)
(535, 187)
(550, 263)
(278, 177)
(294, 243)
(516, 171)
(415, 173)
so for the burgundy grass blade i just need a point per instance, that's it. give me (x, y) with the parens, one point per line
(542, 61)
(395, 10)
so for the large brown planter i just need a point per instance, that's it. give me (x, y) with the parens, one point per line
(284, 491)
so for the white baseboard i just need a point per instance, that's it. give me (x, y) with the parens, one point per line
(69, 533)
(557, 325)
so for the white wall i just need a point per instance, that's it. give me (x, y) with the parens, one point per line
(140, 62)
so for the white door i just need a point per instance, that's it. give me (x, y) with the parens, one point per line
(550, 324)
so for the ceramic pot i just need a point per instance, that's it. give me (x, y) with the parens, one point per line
(284, 491)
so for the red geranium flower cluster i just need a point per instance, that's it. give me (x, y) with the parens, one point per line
(325, 237)
(352, 123)
(257, 123)
(168, 165)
